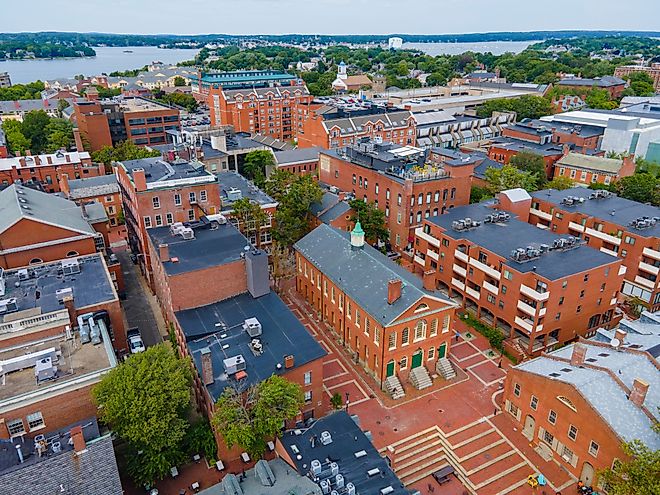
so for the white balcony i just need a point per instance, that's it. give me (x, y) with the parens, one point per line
(461, 255)
(419, 260)
(475, 294)
(491, 288)
(537, 296)
(576, 226)
(524, 324)
(602, 235)
(622, 270)
(485, 268)
(457, 283)
(648, 268)
(608, 251)
(461, 271)
(645, 282)
(419, 232)
(540, 214)
(433, 255)
(526, 308)
(651, 253)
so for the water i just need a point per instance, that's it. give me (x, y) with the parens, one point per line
(495, 47)
(108, 59)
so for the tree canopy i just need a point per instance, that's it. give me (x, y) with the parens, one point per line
(125, 150)
(642, 187)
(30, 91)
(509, 177)
(639, 476)
(530, 162)
(250, 218)
(249, 418)
(371, 219)
(145, 401)
(525, 107)
(293, 217)
(560, 183)
(38, 133)
(256, 164)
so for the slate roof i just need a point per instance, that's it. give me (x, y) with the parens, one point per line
(642, 334)
(347, 440)
(261, 93)
(502, 238)
(603, 392)
(613, 209)
(601, 82)
(519, 145)
(298, 155)
(588, 162)
(93, 186)
(18, 202)
(330, 207)
(218, 325)
(363, 274)
(356, 121)
(335, 212)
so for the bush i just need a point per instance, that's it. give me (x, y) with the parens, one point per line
(494, 336)
(336, 400)
(200, 440)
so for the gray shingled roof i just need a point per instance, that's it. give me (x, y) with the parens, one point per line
(363, 274)
(17, 202)
(298, 155)
(93, 186)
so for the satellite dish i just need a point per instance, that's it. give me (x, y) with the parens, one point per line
(615, 342)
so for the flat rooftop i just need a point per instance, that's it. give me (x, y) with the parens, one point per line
(91, 285)
(350, 448)
(72, 359)
(612, 209)
(519, 145)
(218, 327)
(503, 237)
(158, 171)
(209, 248)
(142, 105)
(230, 182)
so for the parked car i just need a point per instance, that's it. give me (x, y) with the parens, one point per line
(135, 343)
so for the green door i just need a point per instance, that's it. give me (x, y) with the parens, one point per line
(389, 371)
(417, 359)
(442, 350)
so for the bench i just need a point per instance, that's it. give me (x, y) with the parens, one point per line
(442, 475)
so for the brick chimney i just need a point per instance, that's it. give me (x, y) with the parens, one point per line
(579, 353)
(638, 392)
(207, 367)
(139, 179)
(78, 440)
(620, 335)
(429, 280)
(394, 290)
(71, 308)
(64, 183)
(288, 361)
(164, 252)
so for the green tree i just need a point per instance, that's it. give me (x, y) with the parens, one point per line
(59, 135)
(256, 164)
(179, 81)
(293, 217)
(560, 183)
(199, 439)
(371, 219)
(509, 177)
(250, 218)
(16, 140)
(525, 107)
(600, 98)
(479, 194)
(639, 187)
(61, 105)
(336, 400)
(640, 475)
(125, 150)
(278, 183)
(249, 418)
(34, 128)
(641, 84)
(530, 162)
(145, 401)
(178, 99)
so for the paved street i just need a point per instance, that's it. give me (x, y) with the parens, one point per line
(139, 312)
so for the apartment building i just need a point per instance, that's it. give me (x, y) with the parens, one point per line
(503, 149)
(102, 189)
(270, 111)
(581, 138)
(156, 192)
(384, 316)
(47, 169)
(540, 289)
(586, 169)
(616, 226)
(443, 129)
(403, 181)
(577, 405)
(330, 126)
(201, 86)
(299, 161)
(653, 70)
(107, 122)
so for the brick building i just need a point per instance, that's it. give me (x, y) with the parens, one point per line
(333, 210)
(652, 70)
(47, 169)
(578, 404)
(394, 327)
(4, 152)
(615, 86)
(271, 111)
(586, 169)
(298, 161)
(539, 289)
(403, 181)
(107, 122)
(616, 226)
(201, 86)
(502, 149)
(102, 189)
(328, 126)
(158, 193)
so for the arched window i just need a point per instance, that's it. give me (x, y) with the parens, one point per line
(405, 336)
(72, 254)
(420, 330)
(36, 261)
(421, 307)
(567, 402)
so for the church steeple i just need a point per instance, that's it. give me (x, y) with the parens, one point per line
(357, 237)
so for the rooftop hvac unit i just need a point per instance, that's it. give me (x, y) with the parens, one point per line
(386, 490)
(176, 228)
(334, 189)
(44, 369)
(257, 346)
(334, 468)
(187, 233)
(62, 293)
(8, 306)
(252, 326)
(2, 282)
(234, 194)
(350, 489)
(70, 267)
(325, 487)
(326, 438)
(234, 364)
(23, 274)
(339, 481)
(316, 467)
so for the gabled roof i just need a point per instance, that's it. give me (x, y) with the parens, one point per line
(363, 274)
(588, 162)
(18, 202)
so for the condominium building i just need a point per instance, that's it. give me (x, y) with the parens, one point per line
(201, 86)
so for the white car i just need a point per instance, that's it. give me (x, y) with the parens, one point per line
(135, 343)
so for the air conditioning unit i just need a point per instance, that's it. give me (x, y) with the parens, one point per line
(176, 228)
(188, 233)
(326, 438)
(253, 327)
(62, 293)
(70, 267)
(234, 194)
(8, 305)
(234, 364)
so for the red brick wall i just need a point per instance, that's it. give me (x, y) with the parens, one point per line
(49, 175)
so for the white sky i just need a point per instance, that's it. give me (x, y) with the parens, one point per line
(326, 16)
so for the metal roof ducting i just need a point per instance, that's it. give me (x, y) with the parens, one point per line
(265, 473)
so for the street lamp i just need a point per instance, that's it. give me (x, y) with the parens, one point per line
(347, 401)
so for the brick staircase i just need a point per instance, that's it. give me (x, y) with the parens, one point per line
(444, 368)
(394, 388)
(420, 378)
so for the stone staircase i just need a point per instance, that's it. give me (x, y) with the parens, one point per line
(394, 388)
(444, 368)
(420, 378)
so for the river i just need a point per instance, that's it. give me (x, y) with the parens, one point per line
(495, 47)
(108, 59)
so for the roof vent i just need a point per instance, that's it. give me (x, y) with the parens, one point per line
(316, 467)
(386, 490)
(326, 438)
(373, 472)
(360, 453)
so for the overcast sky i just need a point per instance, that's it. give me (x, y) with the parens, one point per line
(326, 16)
